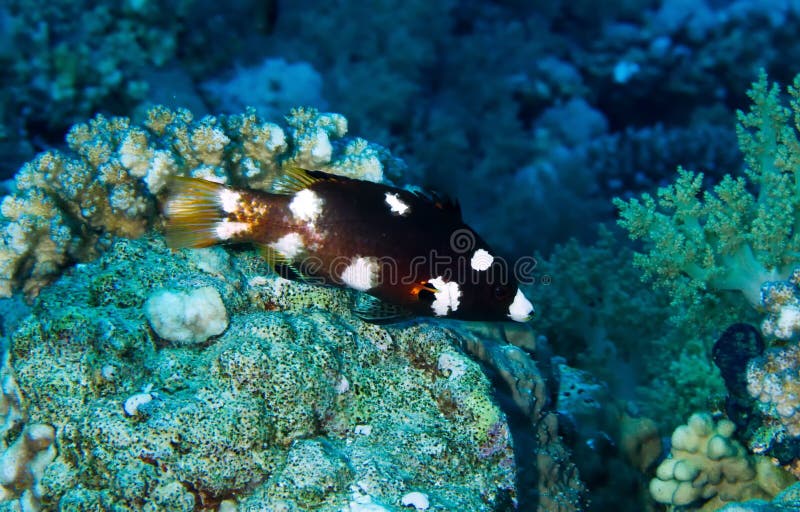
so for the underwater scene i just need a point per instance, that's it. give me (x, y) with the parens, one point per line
(421, 255)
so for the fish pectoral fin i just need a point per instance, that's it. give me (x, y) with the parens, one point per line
(272, 256)
(375, 311)
(280, 264)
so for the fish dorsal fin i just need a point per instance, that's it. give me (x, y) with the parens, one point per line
(375, 311)
(437, 199)
(295, 179)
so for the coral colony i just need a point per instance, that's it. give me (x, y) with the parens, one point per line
(219, 224)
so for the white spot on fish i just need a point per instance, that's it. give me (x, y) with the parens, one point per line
(520, 310)
(447, 296)
(396, 205)
(306, 206)
(227, 229)
(361, 274)
(229, 200)
(289, 245)
(481, 260)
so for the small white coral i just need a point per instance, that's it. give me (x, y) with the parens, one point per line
(415, 499)
(133, 404)
(187, 317)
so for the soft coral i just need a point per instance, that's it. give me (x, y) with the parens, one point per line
(744, 232)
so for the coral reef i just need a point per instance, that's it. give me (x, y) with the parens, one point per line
(520, 365)
(296, 405)
(533, 113)
(707, 468)
(271, 88)
(740, 236)
(68, 206)
(26, 448)
(786, 501)
(781, 301)
(772, 379)
(594, 310)
(66, 61)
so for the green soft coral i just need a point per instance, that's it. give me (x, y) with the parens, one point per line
(744, 232)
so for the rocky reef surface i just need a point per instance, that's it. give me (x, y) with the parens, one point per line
(258, 393)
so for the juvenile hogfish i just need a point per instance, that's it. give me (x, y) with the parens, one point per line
(411, 252)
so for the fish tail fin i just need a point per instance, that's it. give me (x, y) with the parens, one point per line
(201, 213)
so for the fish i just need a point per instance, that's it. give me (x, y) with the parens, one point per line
(408, 251)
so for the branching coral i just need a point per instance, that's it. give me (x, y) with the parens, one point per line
(68, 206)
(743, 233)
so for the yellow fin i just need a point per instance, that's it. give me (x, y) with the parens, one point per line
(193, 212)
(296, 179)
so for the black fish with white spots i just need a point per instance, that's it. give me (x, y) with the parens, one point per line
(396, 245)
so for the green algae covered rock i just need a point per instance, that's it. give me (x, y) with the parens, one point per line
(296, 405)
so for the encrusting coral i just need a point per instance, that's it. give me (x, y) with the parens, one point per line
(68, 207)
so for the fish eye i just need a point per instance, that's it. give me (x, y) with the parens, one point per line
(426, 295)
(501, 292)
